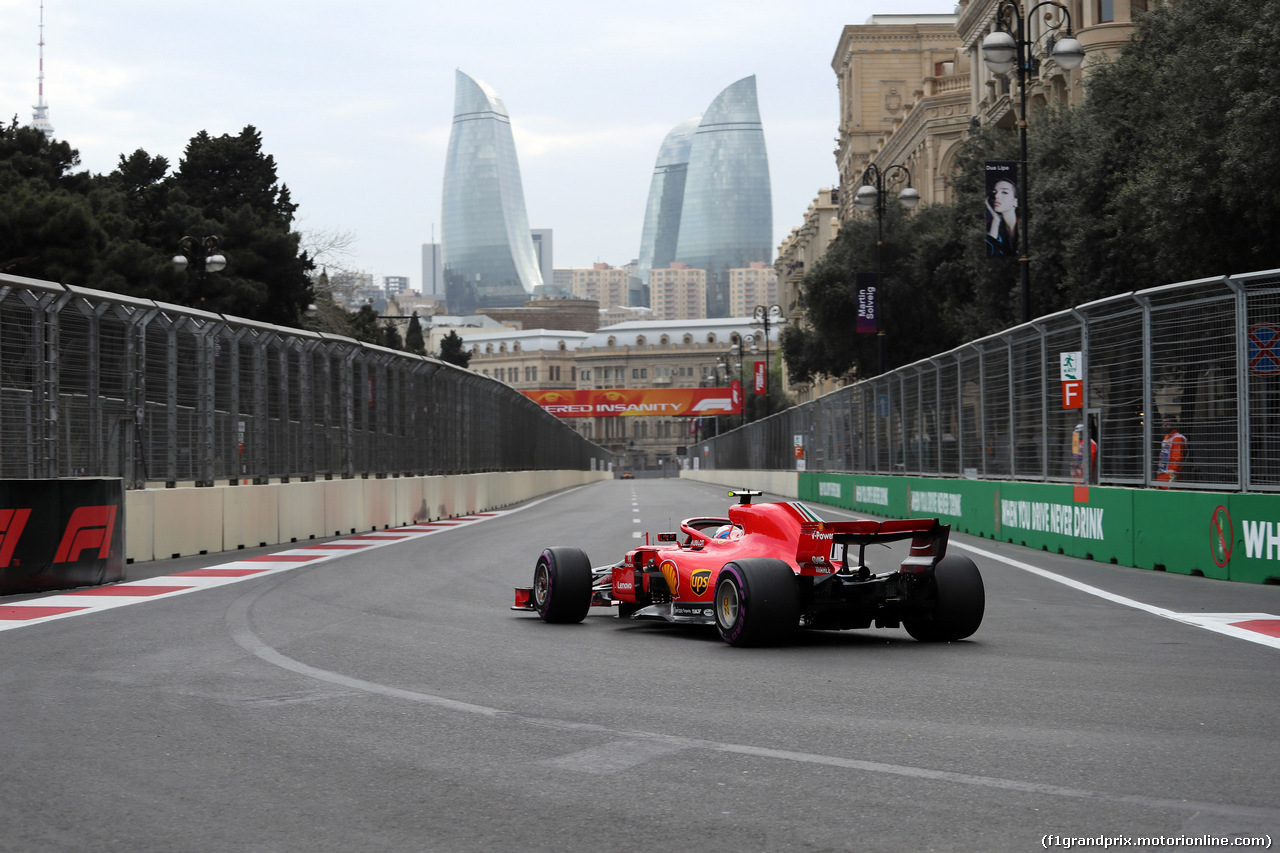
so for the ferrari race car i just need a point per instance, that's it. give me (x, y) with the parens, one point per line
(768, 570)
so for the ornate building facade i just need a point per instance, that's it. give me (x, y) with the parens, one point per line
(904, 99)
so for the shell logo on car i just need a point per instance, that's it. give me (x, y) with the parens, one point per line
(669, 572)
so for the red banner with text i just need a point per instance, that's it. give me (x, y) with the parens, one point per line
(637, 402)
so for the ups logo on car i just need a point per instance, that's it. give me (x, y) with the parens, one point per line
(699, 581)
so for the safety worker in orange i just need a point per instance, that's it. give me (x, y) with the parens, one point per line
(1077, 455)
(1173, 450)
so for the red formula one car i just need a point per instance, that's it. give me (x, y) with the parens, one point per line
(768, 570)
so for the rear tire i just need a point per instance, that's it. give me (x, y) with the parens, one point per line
(562, 585)
(960, 599)
(757, 603)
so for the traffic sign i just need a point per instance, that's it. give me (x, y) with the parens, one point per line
(1264, 349)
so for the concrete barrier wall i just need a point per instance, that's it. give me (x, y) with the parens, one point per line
(164, 523)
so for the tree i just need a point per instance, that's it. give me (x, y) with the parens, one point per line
(233, 185)
(1160, 176)
(413, 340)
(453, 351)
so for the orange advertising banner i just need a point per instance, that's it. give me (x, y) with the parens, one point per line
(637, 402)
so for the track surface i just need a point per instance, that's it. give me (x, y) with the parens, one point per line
(388, 700)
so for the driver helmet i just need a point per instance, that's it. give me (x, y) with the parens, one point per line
(726, 531)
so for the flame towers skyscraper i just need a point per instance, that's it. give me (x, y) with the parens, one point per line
(713, 193)
(487, 248)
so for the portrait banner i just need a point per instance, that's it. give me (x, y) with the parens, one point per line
(1000, 213)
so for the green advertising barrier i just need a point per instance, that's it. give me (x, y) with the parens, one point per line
(1226, 536)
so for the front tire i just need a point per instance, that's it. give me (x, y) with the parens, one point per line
(562, 585)
(960, 601)
(757, 603)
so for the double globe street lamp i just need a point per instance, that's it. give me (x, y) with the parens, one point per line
(200, 255)
(870, 199)
(1004, 51)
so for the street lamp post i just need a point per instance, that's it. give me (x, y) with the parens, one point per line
(1004, 51)
(870, 198)
(200, 255)
(732, 363)
(766, 315)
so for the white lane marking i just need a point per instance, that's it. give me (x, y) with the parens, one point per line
(613, 757)
(1220, 623)
(597, 759)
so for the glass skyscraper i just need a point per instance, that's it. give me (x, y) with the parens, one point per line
(725, 200)
(487, 248)
(666, 199)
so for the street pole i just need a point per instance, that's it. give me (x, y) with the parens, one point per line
(1003, 51)
(870, 197)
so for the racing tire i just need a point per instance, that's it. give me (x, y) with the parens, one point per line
(757, 603)
(960, 601)
(562, 585)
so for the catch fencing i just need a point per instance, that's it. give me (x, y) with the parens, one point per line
(1204, 353)
(102, 385)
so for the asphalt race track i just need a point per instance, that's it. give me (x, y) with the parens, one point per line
(383, 697)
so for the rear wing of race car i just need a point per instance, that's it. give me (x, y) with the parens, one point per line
(823, 545)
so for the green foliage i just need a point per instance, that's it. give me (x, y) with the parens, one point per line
(1164, 174)
(118, 232)
(413, 340)
(453, 351)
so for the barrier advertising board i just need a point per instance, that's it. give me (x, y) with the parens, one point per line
(56, 534)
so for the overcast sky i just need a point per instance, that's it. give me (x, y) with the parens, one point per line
(355, 100)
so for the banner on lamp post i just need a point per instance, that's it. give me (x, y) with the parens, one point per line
(868, 303)
(1001, 213)
(762, 378)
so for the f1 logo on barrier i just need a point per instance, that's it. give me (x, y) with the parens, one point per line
(12, 521)
(88, 527)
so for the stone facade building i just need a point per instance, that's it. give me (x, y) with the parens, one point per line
(902, 78)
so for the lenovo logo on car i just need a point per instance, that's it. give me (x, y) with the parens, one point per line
(90, 527)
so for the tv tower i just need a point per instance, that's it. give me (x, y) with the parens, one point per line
(40, 118)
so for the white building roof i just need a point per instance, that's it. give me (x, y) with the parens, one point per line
(530, 340)
(627, 334)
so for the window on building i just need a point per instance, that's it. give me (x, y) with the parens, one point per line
(635, 373)
(1106, 11)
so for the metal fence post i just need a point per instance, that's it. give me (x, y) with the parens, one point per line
(1244, 434)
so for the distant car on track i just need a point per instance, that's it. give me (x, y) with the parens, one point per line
(768, 570)
(627, 475)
